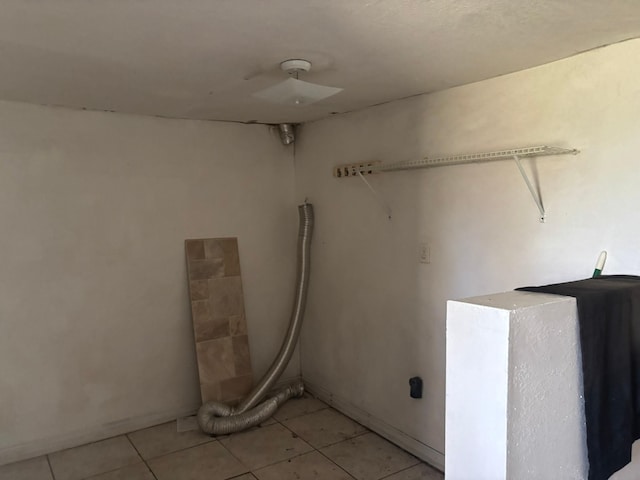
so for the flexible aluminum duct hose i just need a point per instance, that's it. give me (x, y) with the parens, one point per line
(217, 418)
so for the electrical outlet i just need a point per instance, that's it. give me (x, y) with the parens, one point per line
(424, 253)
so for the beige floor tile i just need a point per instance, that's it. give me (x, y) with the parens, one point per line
(246, 476)
(265, 446)
(33, 469)
(162, 439)
(138, 471)
(419, 472)
(210, 461)
(324, 427)
(369, 457)
(312, 465)
(295, 407)
(92, 459)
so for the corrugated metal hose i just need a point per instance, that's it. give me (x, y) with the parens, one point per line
(216, 418)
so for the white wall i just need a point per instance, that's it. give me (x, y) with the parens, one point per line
(95, 327)
(376, 316)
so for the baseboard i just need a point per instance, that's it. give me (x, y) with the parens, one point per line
(94, 433)
(421, 450)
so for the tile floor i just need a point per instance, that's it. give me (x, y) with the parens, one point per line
(304, 440)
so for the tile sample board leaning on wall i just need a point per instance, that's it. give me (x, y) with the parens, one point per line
(219, 324)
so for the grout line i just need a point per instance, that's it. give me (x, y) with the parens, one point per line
(231, 453)
(339, 466)
(134, 447)
(153, 474)
(344, 440)
(304, 414)
(367, 431)
(417, 448)
(107, 471)
(121, 466)
(279, 461)
(213, 439)
(334, 443)
(282, 461)
(141, 457)
(326, 406)
(249, 470)
(50, 467)
(413, 466)
(113, 470)
(252, 471)
(347, 439)
(241, 475)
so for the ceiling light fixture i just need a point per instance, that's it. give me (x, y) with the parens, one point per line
(293, 91)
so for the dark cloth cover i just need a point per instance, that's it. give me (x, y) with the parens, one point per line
(609, 318)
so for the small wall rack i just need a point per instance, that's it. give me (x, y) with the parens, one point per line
(370, 168)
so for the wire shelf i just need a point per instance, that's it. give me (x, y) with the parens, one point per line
(362, 169)
(427, 162)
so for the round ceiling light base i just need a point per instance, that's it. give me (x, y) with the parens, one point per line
(295, 65)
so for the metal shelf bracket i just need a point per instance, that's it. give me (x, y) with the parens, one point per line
(534, 194)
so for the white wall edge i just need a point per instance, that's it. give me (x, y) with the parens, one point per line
(379, 426)
(93, 433)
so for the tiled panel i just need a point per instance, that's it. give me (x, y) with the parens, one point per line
(205, 269)
(237, 325)
(33, 469)
(100, 457)
(242, 357)
(235, 387)
(225, 297)
(162, 439)
(215, 360)
(227, 249)
(219, 323)
(199, 289)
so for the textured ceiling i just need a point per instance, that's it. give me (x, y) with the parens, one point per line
(203, 58)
